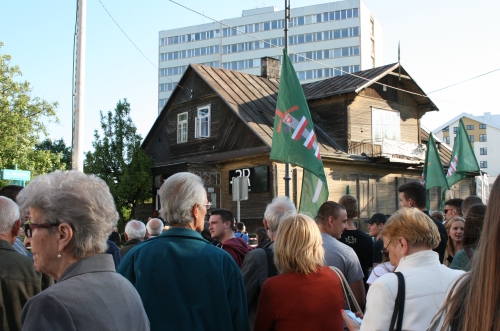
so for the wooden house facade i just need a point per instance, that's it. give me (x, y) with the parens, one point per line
(218, 124)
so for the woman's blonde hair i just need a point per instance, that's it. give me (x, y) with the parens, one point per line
(450, 246)
(414, 225)
(298, 246)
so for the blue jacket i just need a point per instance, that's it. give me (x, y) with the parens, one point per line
(186, 283)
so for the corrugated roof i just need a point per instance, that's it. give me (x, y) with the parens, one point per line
(362, 79)
(253, 99)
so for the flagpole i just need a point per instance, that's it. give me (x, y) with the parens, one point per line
(287, 165)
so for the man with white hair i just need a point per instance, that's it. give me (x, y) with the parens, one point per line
(185, 282)
(258, 265)
(154, 228)
(135, 232)
(18, 278)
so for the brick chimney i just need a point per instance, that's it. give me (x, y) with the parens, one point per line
(270, 68)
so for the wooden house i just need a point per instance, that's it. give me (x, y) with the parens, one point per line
(218, 124)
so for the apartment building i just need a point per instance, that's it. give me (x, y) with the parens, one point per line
(484, 132)
(324, 40)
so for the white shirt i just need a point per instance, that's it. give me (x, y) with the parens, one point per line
(426, 281)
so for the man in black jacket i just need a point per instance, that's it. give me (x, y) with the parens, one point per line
(414, 195)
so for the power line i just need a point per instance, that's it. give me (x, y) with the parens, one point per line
(128, 36)
(489, 72)
(289, 52)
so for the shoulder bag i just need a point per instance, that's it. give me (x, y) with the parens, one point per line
(399, 305)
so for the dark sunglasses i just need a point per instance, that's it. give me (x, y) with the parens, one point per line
(28, 227)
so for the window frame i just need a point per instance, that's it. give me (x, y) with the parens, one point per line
(483, 151)
(182, 131)
(380, 122)
(482, 126)
(470, 127)
(200, 120)
(483, 164)
(483, 138)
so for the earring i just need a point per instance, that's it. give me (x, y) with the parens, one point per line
(59, 255)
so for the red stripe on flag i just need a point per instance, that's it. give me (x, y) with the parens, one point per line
(311, 141)
(300, 128)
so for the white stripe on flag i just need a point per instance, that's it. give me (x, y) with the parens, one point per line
(309, 138)
(318, 191)
(300, 128)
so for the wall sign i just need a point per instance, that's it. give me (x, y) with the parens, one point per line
(258, 178)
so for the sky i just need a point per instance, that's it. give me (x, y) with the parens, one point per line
(442, 43)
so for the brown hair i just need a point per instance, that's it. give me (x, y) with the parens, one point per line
(473, 225)
(298, 246)
(473, 304)
(350, 204)
(414, 225)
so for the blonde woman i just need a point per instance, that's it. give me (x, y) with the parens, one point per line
(305, 295)
(409, 237)
(455, 230)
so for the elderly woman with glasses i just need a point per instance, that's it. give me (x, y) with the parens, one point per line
(72, 215)
(409, 237)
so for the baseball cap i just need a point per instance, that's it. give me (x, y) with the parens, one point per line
(377, 218)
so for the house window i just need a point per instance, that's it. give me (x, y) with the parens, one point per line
(471, 138)
(447, 129)
(482, 137)
(482, 126)
(202, 129)
(455, 129)
(483, 151)
(470, 127)
(385, 124)
(182, 127)
(447, 140)
(483, 164)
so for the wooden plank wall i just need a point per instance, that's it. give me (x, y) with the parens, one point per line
(331, 115)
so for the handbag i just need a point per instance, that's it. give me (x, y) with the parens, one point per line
(347, 290)
(399, 305)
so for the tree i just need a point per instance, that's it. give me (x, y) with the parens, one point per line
(119, 160)
(57, 147)
(21, 123)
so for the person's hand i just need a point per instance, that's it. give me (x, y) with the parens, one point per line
(352, 325)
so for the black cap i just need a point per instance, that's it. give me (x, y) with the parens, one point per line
(377, 218)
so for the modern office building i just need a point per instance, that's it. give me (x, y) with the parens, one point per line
(484, 133)
(325, 40)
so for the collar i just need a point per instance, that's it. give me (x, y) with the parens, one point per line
(94, 263)
(132, 242)
(421, 259)
(181, 232)
(4, 244)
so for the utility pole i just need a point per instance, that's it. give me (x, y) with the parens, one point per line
(79, 86)
(287, 165)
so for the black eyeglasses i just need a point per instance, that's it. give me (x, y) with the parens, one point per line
(385, 252)
(28, 227)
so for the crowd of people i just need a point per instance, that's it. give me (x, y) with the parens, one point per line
(194, 269)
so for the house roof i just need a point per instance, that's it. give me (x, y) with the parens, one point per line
(360, 80)
(487, 118)
(443, 149)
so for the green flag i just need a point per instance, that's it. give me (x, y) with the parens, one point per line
(463, 158)
(294, 139)
(433, 174)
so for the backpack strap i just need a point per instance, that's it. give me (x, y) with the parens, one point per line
(271, 268)
(399, 305)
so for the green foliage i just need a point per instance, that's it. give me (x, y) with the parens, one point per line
(119, 160)
(57, 147)
(21, 123)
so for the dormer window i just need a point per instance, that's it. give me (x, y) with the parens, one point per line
(202, 122)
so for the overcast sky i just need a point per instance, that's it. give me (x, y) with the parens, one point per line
(442, 43)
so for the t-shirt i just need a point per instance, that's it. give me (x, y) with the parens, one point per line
(362, 244)
(343, 257)
(378, 246)
(379, 270)
(243, 236)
